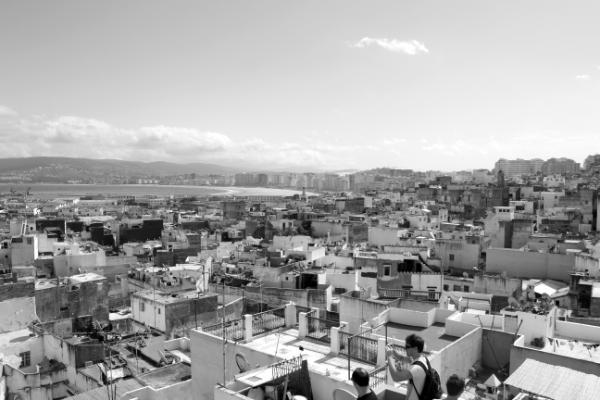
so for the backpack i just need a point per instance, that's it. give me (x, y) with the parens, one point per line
(432, 388)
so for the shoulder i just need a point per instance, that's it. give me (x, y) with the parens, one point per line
(418, 367)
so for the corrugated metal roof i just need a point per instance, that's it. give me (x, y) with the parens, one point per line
(556, 382)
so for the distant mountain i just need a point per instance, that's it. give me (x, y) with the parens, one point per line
(57, 169)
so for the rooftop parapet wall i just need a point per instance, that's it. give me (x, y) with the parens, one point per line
(17, 289)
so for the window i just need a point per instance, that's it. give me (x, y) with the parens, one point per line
(451, 257)
(456, 288)
(142, 306)
(29, 241)
(387, 270)
(466, 288)
(159, 311)
(25, 359)
(446, 287)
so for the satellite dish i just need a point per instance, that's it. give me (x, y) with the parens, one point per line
(242, 363)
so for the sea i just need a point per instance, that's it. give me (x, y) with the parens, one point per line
(50, 191)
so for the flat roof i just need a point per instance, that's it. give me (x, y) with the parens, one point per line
(286, 344)
(86, 277)
(170, 297)
(435, 336)
(166, 375)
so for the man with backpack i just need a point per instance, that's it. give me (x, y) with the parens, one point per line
(424, 381)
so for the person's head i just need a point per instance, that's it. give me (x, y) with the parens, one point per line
(360, 378)
(455, 385)
(414, 345)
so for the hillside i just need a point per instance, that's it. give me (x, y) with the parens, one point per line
(62, 169)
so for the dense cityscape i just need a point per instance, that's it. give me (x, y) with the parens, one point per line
(259, 295)
(305, 200)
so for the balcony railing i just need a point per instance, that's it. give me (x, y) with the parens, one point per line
(319, 328)
(428, 295)
(234, 329)
(267, 321)
(378, 377)
(286, 367)
(359, 347)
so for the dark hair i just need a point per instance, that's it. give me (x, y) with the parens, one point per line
(414, 341)
(455, 385)
(360, 376)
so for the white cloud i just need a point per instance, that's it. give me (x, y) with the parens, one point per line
(583, 77)
(7, 112)
(73, 136)
(411, 47)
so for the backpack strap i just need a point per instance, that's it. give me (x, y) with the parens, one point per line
(420, 364)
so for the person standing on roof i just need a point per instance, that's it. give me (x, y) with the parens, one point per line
(415, 374)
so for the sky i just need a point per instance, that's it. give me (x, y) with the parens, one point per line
(305, 85)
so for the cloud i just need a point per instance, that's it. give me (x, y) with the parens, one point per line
(75, 136)
(7, 112)
(411, 47)
(583, 77)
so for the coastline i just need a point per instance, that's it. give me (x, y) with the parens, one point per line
(77, 189)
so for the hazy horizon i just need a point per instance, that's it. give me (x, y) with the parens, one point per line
(313, 85)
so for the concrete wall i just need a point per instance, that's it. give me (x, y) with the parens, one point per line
(17, 314)
(382, 236)
(207, 362)
(527, 264)
(355, 311)
(466, 255)
(16, 289)
(496, 347)
(335, 230)
(58, 349)
(456, 327)
(459, 356)
(345, 281)
(410, 317)
(339, 263)
(152, 314)
(442, 314)
(69, 264)
(577, 331)
(520, 353)
(488, 321)
(497, 285)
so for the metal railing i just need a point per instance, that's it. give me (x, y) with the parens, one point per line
(286, 367)
(429, 295)
(234, 329)
(267, 321)
(359, 347)
(319, 328)
(378, 377)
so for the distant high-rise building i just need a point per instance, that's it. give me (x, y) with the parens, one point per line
(514, 168)
(592, 163)
(560, 166)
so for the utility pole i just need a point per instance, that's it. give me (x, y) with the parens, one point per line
(224, 338)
